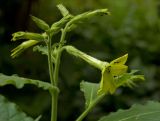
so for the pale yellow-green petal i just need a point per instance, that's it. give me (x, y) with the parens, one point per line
(117, 70)
(107, 84)
(121, 60)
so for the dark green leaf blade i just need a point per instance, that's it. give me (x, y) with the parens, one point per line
(19, 82)
(148, 112)
(40, 23)
(90, 91)
(10, 111)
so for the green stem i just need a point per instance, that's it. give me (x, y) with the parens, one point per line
(89, 108)
(55, 77)
(50, 64)
(54, 106)
(58, 56)
(54, 94)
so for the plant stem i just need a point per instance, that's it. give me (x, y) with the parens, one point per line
(89, 108)
(54, 106)
(54, 94)
(55, 77)
(59, 52)
(50, 61)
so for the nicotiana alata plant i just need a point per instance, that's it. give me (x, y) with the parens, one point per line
(113, 74)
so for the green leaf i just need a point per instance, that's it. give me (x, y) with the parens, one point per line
(40, 23)
(44, 51)
(63, 10)
(19, 82)
(11, 112)
(90, 91)
(148, 112)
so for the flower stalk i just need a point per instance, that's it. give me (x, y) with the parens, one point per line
(90, 107)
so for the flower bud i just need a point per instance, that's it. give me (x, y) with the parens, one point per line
(27, 35)
(40, 23)
(57, 26)
(63, 10)
(88, 15)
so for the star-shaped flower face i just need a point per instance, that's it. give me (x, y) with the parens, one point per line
(109, 73)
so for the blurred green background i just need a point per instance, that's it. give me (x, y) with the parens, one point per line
(133, 27)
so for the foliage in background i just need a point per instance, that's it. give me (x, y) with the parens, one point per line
(133, 27)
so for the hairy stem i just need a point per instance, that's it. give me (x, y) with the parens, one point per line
(55, 77)
(54, 106)
(89, 108)
(59, 52)
(54, 94)
(50, 61)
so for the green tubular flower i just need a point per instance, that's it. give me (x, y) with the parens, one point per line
(114, 74)
(63, 9)
(110, 73)
(88, 15)
(28, 35)
(56, 27)
(89, 59)
(20, 48)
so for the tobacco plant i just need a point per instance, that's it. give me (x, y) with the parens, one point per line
(113, 74)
